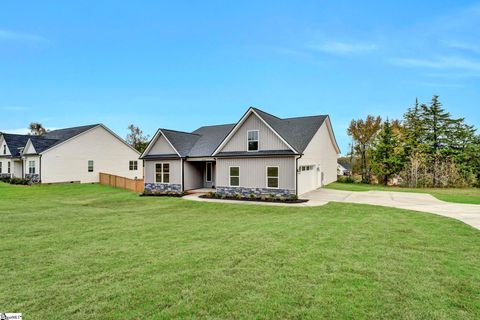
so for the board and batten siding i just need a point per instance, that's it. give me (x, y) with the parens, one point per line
(193, 175)
(268, 140)
(175, 170)
(69, 161)
(161, 146)
(253, 171)
(321, 154)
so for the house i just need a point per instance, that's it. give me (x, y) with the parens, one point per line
(68, 155)
(260, 154)
(343, 169)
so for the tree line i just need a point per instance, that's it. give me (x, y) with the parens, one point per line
(426, 148)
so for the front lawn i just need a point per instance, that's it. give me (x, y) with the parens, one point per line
(94, 252)
(458, 195)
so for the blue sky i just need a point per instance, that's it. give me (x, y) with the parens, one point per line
(184, 64)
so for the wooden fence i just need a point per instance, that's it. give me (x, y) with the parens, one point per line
(121, 182)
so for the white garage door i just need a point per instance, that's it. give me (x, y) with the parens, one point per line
(309, 178)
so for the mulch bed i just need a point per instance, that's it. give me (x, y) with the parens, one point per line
(288, 201)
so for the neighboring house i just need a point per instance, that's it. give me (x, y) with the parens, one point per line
(260, 154)
(76, 154)
(343, 169)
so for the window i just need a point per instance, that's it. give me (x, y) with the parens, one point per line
(162, 172)
(4, 149)
(252, 138)
(234, 176)
(306, 168)
(8, 167)
(272, 177)
(31, 167)
(0, 166)
(90, 165)
(208, 172)
(133, 165)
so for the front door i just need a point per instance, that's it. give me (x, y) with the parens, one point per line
(209, 178)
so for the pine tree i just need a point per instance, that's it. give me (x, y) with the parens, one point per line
(387, 155)
(413, 129)
(436, 126)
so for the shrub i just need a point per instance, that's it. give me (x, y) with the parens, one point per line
(5, 179)
(210, 195)
(251, 195)
(293, 197)
(19, 181)
(238, 196)
(345, 179)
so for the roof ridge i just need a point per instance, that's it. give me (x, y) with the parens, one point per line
(178, 131)
(272, 115)
(76, 127)
(19, 134)
(302, 117)
(216, 125)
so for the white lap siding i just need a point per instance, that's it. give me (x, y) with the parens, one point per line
(253, 171)
(322, 155)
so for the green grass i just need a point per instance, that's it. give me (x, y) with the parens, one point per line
(458, 195)
(94, 252)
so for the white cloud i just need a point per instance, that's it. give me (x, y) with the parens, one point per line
(439, 63)
(16, 131)
(463, 46)
(344, 48)
(6, 35)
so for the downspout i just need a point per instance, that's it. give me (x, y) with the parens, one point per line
(40, 169)
(296, 175)
(183, 175)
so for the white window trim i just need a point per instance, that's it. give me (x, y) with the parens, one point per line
(88, 166)
(258, 140)
(169, 172)
(30, 166)
(133, 165)
(229, 176)
(267, 176)
(211, 171)
(9, 167)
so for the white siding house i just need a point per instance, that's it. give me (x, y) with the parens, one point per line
(76, 155)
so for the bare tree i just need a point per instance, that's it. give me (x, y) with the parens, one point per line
(37, 129)
(136, 138)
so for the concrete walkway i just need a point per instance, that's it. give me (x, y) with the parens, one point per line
(467, 213)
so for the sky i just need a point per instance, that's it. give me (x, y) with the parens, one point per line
(184, 64)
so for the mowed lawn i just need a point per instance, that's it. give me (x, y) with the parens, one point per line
(94, 252)
(458, 195)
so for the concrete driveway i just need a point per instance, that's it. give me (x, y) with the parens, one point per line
(468, 213)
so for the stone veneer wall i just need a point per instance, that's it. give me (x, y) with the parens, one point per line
(32, 178)
(246, 192)
(162, 188)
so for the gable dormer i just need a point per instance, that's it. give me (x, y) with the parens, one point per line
(160, 145)
(29, 148)
(252, 134)
(4, 150)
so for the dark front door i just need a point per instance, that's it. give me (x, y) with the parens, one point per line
(209, 176)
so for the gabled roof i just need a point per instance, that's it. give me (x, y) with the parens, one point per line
(210, 139)
(296, 131)
(15, 142)
(206, 141)
(181, 141)
(41, 144)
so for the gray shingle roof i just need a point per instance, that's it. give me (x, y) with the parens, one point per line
(181, 141)
(44, 142)
(210, 139)
(297, 132)
(16, 141)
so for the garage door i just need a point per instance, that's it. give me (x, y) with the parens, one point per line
(307, 179)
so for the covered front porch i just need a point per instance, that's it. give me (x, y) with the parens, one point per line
(199, 174)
